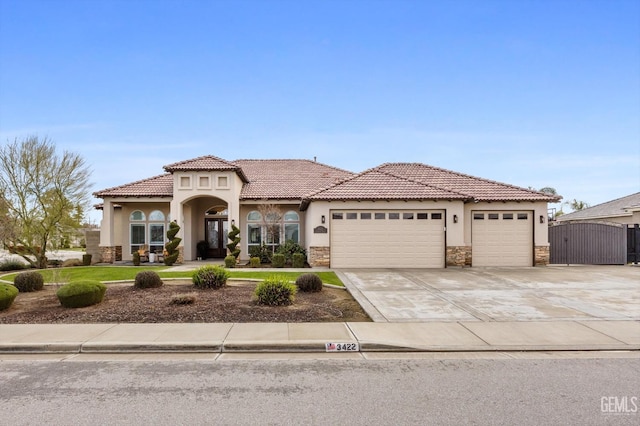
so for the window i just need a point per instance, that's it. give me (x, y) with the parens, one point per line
(137, 215)
(436, 216)
(291, 216)
(394, 215)
(352, 216)
(478, 216)
(273, 233)
(156, 237)
(507, 216)
(336, 216)
(156, 216)
(365, 216)
(493, 216)
(254, 216)
(380, 216)
(292, 226)
(523, 216)
(423, 216)
(137, 236)
(407, 216)
(255, 236)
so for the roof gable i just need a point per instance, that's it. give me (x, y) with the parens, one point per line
(205, 163)
(157, 186)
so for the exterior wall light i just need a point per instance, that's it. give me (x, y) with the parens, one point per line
(541, 219)
(455, 218)
(322, 219)
(233, 222)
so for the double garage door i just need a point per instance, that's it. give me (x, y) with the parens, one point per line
(416, 238)
(502, 238)
(388, 239)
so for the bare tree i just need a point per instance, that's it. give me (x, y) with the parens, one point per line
(272, 221)
(42, 194)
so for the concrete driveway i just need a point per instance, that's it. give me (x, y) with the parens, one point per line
(497, 294)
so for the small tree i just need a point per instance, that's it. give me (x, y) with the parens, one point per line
(41, 196)
(234, 237)
(272, 221)
(172, 246)
(577, 205)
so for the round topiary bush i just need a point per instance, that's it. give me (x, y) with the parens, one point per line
(147, 279)
(230, 261)
(277, 260)
(275, 291)
(29, 281)
(254, 262)
(78, 294)
(8, 294)
(209, 276)
(298, 260)
(309, 283)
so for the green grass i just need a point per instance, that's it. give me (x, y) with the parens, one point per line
(121, 273)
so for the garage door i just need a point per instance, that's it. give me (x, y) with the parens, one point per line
(387, 239)
(503, 238)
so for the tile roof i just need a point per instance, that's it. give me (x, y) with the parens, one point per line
(618, 207)
(420, 181)
(286, 179)
(207, 163)
(157, 186)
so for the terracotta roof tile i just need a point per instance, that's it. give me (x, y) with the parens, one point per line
(157, 186)
(286, 179)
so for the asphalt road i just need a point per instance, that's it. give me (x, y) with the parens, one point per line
(319, 392)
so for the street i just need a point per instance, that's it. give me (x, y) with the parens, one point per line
(493, 390)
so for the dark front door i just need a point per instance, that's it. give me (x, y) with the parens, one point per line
(216, 234)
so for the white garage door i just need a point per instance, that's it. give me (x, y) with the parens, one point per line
(387, 239)
(503, 238)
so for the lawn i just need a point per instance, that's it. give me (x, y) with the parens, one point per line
(122, 273)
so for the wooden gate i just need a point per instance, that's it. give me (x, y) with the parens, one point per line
(633, 243)
(588, 244)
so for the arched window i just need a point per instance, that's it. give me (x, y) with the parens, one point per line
(137, 216)
(254, 216)
(156, 216)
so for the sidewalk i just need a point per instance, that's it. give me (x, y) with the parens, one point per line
(314, 337)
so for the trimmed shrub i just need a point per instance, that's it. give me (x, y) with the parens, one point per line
(8, 294)
(29, 281)
(171, 248)
(136, 258)
(309, 283)
(12, 265)
(82, 293)
(254, 262)
(209, 276)
(275, 291)
(184, 299)
(147, 279)
(230, 261)
(234, 238)
(289, 248)
(298, 260)
(72, 262)
(277, 261)
(262, 252)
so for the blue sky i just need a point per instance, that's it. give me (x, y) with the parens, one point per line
(532, 93)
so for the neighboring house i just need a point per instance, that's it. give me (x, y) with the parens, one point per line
(625, 210)
(394, 215)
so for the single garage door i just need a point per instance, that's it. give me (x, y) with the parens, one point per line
(387, 239)
(502, 238)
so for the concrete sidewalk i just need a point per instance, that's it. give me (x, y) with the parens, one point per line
(314, 337)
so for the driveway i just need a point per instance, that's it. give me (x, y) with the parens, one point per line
(497, 294)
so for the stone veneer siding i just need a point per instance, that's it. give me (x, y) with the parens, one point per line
(111, 254)
(541, 255)
(320, 256)
(458, 256)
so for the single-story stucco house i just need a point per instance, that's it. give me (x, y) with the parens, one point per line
(393, 215)
(624, 210)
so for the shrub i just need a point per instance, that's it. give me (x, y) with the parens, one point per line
(254, 262)
(72, 262)
(278, 260)
(86, 259)
(171, 248)
(234, 237)
(8, 294)
(262, 252)
(78, 294)
(184, 299)
(12, 265)
(288, 249)
(209, 276)
(147, 279)
(230, 261)
(275, 291)
(309, 283)
(136, 258)
(298, 260)
(29, 281)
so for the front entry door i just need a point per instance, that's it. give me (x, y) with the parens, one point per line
(216, 234)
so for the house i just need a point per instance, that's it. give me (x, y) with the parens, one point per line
(393, 215)
(625, 210)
